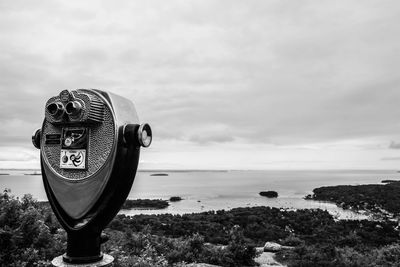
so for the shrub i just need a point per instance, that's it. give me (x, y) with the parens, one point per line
(292, 241)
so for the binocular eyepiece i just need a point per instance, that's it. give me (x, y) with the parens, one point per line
(73, 108)
(56, 109)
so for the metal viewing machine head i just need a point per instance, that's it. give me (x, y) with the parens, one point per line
(89, 149)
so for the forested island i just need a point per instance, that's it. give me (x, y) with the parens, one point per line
(382, 199)
(145, 204)
(30, 234)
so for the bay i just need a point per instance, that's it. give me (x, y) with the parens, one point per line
(215, 190)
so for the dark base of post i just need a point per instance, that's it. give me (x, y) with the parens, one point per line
(83, 248)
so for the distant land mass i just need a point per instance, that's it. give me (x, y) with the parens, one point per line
(159, 174)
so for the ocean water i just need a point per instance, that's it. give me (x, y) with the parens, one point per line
(215, 190)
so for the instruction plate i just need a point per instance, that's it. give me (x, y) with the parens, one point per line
(73, 159)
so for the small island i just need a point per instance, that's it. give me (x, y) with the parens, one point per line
(389, 181)
(145, 204)
(175, 199)
(159, 174)
(269, 194)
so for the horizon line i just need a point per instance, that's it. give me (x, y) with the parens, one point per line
(224, 170)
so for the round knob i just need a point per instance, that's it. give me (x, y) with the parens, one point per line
(36, 138)
(145, 135)
(68, 141)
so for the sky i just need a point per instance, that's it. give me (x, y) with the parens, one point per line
(225, 84)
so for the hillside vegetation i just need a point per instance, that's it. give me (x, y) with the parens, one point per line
(31, 236)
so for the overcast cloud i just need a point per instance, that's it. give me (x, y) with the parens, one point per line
(224, 84)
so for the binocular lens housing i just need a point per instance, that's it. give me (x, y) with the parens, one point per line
(73, 108)
(145, 135)
(56, 109)
(138, 134)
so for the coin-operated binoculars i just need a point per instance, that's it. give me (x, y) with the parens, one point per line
(89, 149)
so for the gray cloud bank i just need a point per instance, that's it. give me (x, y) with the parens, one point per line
(394, 145)
(281, 72)
(391, 158)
